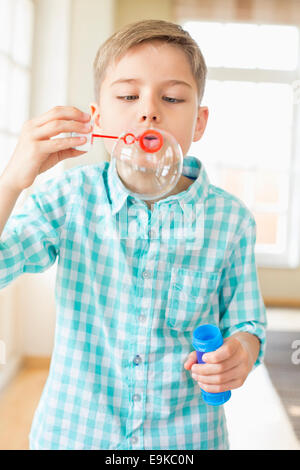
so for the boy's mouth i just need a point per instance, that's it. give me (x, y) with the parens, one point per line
(150, 141)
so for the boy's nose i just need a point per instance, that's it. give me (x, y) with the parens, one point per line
(149, 108)
(150, 118)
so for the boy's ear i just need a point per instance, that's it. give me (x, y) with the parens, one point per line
(202, 118)
(95, 114)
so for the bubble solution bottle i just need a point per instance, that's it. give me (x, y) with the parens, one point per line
(207, 338)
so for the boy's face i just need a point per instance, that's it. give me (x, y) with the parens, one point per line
(139, 91)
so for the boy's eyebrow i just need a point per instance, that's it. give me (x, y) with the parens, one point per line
(136, 80)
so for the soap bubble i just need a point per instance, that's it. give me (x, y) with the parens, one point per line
(148, 163)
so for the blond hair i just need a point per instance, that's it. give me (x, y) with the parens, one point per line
(145, 31)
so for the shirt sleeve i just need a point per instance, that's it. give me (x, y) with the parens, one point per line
(241, 304)
(30, 241)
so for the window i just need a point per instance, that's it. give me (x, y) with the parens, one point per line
(249, 147)
(16, 32)
(16, 29)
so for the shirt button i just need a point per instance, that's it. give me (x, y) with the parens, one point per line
(137, 360)
(134, 439)
(142, 318)
(152, 233)
(136, 397)
(146, 274)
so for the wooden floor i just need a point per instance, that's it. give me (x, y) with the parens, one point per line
(17, 405)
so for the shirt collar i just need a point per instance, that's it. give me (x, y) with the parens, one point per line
(118, 192)
(195, 194)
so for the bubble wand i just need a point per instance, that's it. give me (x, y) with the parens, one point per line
(150, 141)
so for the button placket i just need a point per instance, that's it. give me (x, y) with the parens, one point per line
(139, 373)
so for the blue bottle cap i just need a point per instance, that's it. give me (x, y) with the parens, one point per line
(216, 399)
(207, 338)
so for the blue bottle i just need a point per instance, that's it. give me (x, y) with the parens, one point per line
(208, 338)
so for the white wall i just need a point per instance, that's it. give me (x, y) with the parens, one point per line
(92, 22)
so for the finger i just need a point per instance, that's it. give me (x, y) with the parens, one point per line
(224, 352)
(53, 128)
(192, 359)
(57, 145)
(218, 379)
(57, 157)
(222, 388)
(60, 112)
(213, 369)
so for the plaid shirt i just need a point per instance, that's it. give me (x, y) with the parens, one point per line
(131, 287)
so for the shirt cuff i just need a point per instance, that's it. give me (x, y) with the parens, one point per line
(255, 328)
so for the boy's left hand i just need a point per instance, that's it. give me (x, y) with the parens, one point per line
(227, 367)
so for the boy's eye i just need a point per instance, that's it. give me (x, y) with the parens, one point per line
(172, 100)
(127, 98)
(133, 97)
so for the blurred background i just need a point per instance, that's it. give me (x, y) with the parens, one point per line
(251, 148)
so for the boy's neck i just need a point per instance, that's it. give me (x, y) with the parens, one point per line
(183, 184)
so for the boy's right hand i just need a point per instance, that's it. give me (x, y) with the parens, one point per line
(35, 152)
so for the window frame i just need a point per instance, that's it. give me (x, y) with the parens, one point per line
(290, 257)
(5, 132)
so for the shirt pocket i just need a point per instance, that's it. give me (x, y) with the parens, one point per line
(192, 299)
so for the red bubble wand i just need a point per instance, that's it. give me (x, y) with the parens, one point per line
(150, 141)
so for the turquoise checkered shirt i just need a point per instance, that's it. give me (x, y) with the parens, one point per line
(132, 285)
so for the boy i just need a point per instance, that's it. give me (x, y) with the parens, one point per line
(122, 364)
